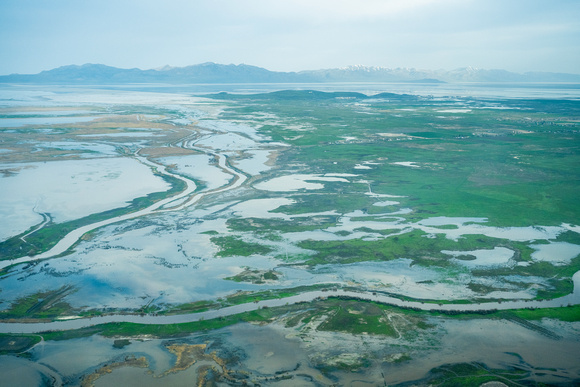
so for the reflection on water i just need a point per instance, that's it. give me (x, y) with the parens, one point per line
(20, 372)
(198, 167)
(71, 189)
(557, 253)
(306, 356)
(167, 257)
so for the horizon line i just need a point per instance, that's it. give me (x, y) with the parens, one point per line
(349, 67)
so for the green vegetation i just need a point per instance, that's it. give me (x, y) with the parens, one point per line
(240, 297)
(247, 297)
(157, 330)
(44, 305)
(424, 249)
(121, 343)
(265, 226)
(328, 199)
(345, 316)
(192, 307)
(569, 313)
(231, 246)
(368, 319)
(516, 167)
(255, 276)
(11, 344)
(559, 277)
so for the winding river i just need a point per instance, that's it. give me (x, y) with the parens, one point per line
(571, 299)
(184, 199)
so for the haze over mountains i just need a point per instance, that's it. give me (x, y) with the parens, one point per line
(218, 73)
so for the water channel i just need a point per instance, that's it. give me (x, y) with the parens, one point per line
(571, 299)
(183, 199)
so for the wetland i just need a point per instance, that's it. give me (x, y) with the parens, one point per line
(289, 237)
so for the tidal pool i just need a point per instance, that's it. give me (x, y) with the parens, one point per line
(469, 226)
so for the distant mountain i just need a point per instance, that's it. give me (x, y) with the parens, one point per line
(201, 73)
(219, 73)
(467, 74)
(470, 74)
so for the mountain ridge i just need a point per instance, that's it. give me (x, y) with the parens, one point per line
(210, 72)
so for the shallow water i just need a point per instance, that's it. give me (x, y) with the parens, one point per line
(495, 343)
(227, 142)
(557, 253)
(498, 256)
(571, 299)
(124, 134)
(499, 344)
(198, 167)
(84, 148)
(386, 203)
(21, 372)
(71, 189)
(159, 256)
(255, 164)
(42, 121)
(228, 126)
(296, 182)
(50, 112)
(262, 208)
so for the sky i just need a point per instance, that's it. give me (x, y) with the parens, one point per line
(292, 35)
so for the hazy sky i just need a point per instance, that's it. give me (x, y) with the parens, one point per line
(291, 35)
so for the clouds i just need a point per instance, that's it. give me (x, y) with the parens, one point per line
(292, 35)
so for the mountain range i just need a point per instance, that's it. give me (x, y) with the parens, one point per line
(219, 73)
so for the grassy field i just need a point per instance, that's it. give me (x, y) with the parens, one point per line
(512, 162)
(517, 167)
